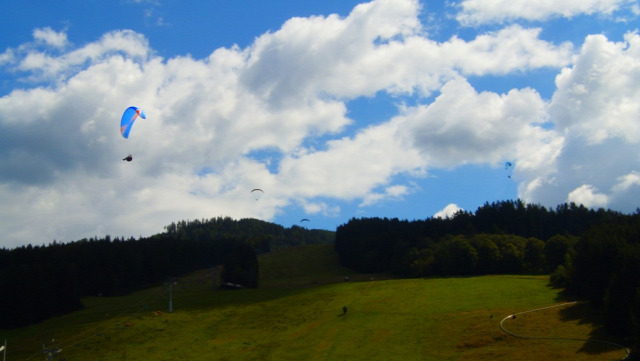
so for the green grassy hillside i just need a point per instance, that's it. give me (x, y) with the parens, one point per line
(298, 314)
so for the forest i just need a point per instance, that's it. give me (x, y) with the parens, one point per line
(593, 255)
(50, 280)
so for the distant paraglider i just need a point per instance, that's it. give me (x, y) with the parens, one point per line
(304, 220)
(257, 193)
(128, 158)
(508, 166)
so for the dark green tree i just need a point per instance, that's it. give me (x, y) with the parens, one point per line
(241, 266)
(556, 249)
(455, 256)
(534, 261)
(488, 254)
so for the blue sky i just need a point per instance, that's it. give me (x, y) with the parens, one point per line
(336, 109)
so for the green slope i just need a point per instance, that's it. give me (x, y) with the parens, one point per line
(305, 266)
(297, 314)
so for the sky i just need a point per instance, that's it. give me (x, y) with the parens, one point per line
(336, 109)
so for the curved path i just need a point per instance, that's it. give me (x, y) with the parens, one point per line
(510, 317)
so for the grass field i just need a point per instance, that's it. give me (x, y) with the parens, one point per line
(297, 314)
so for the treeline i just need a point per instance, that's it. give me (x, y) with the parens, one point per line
(263, 236)
(43, 281)
(594, 254)
(502, 237)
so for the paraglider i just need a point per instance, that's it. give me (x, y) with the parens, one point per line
(257, 192)
(126, 122)
(128, 118)
(508, 165)
(304, 220)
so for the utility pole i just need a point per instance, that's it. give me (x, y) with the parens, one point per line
(170, 283)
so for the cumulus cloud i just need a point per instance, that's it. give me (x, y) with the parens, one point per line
(463, 126)
(506, 50)
(596, 112)
(588, 196)
(51, 37)
(476, 12)
(44, 66)
(597, 97)
(449, 211)
(627, 181)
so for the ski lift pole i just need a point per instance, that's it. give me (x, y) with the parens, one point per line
(170, 283)
(170, 299)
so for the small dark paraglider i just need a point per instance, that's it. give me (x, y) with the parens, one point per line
(257, 193)
(305, 220)
(128, 158)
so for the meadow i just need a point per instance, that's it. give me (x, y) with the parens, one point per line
(298, 314)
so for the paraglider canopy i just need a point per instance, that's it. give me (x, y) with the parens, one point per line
(128, 118)
(257, 193)
(304, 220)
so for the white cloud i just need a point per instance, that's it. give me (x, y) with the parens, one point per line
(391, 192)
(320, 208)
(475, 12)
(447, 212)
(588, 196)
(44, 66)
(462, 126)
(597, 98)
(380, 46)
(627, 181)
(7, 56)
(596, 111)
(509, 49)
(350, 167)
(51, 37)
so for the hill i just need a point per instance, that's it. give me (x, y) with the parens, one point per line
(298, 314)
(50, 280)
(306, 266)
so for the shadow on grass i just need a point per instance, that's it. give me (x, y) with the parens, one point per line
(599, 340)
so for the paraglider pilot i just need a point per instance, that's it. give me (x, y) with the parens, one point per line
(128, 158)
